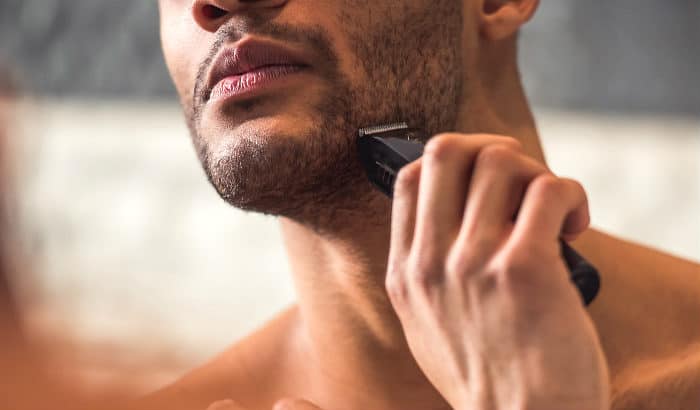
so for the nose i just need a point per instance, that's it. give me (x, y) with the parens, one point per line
(211, 14)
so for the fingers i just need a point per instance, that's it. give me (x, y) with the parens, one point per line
(552, 207)
(430, 197)
(447, 168)
(295, 404)
(455, 207)
(444, 180)
(403, 214)
(495, 193)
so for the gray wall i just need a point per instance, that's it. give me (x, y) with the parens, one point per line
(85, 47)
(600, 55)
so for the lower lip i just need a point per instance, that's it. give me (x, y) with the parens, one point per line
(251, 82)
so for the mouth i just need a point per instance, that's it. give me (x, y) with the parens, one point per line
(250, 67)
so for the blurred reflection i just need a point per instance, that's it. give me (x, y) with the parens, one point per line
(20, 369)
(27, 379)
(9, 318)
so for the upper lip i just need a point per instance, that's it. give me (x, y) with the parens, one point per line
(247, 56)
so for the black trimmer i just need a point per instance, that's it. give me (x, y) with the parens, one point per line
(385, 149)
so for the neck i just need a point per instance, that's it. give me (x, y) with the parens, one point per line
(351, 329)
(351, 332)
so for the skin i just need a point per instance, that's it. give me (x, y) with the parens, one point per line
(424, 311)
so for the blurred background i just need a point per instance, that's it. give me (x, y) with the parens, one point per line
(134, 254)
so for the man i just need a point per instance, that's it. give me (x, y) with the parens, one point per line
(274, 92)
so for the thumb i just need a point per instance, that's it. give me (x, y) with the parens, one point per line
(225, 405)
(295, 404)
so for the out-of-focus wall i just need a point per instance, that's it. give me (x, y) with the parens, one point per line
(622, 55)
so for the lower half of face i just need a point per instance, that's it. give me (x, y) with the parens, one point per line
(288, 146)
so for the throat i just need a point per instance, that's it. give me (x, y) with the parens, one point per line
(358, 371)
(354, 350)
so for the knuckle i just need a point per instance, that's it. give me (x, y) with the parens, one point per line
(517, 286)
(496, 156)
(547, 186)
(470, 260)
(459, 266)
(440, 146)
(397, 291)
(395, 285)
(576, 187)
(426, 271)
(472, 273)
(456, 264)
(521, 271)
(514, 264)
(513, 143)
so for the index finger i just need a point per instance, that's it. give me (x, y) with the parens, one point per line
(552, 207)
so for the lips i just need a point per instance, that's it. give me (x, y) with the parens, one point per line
(249, 65)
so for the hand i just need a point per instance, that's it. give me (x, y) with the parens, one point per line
(484, 298)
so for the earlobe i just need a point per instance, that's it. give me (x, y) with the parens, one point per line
(501, 19)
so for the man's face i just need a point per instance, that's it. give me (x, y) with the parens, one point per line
(281, 140)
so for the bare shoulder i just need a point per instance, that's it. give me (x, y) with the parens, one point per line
(670, 383)
(630, 254)
(658, 296)
(249, 371)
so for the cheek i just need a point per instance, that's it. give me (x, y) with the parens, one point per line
(376, 36)
(343, 21)
(184, 47)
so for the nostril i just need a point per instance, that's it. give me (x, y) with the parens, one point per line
(212, 12)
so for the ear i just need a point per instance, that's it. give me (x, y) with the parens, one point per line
(500, 19)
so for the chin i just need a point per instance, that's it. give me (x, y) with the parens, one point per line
(218, 137)
(261, 118)
(263, 129)
(292, 164)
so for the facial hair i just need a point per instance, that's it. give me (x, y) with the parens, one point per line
(412, 72)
